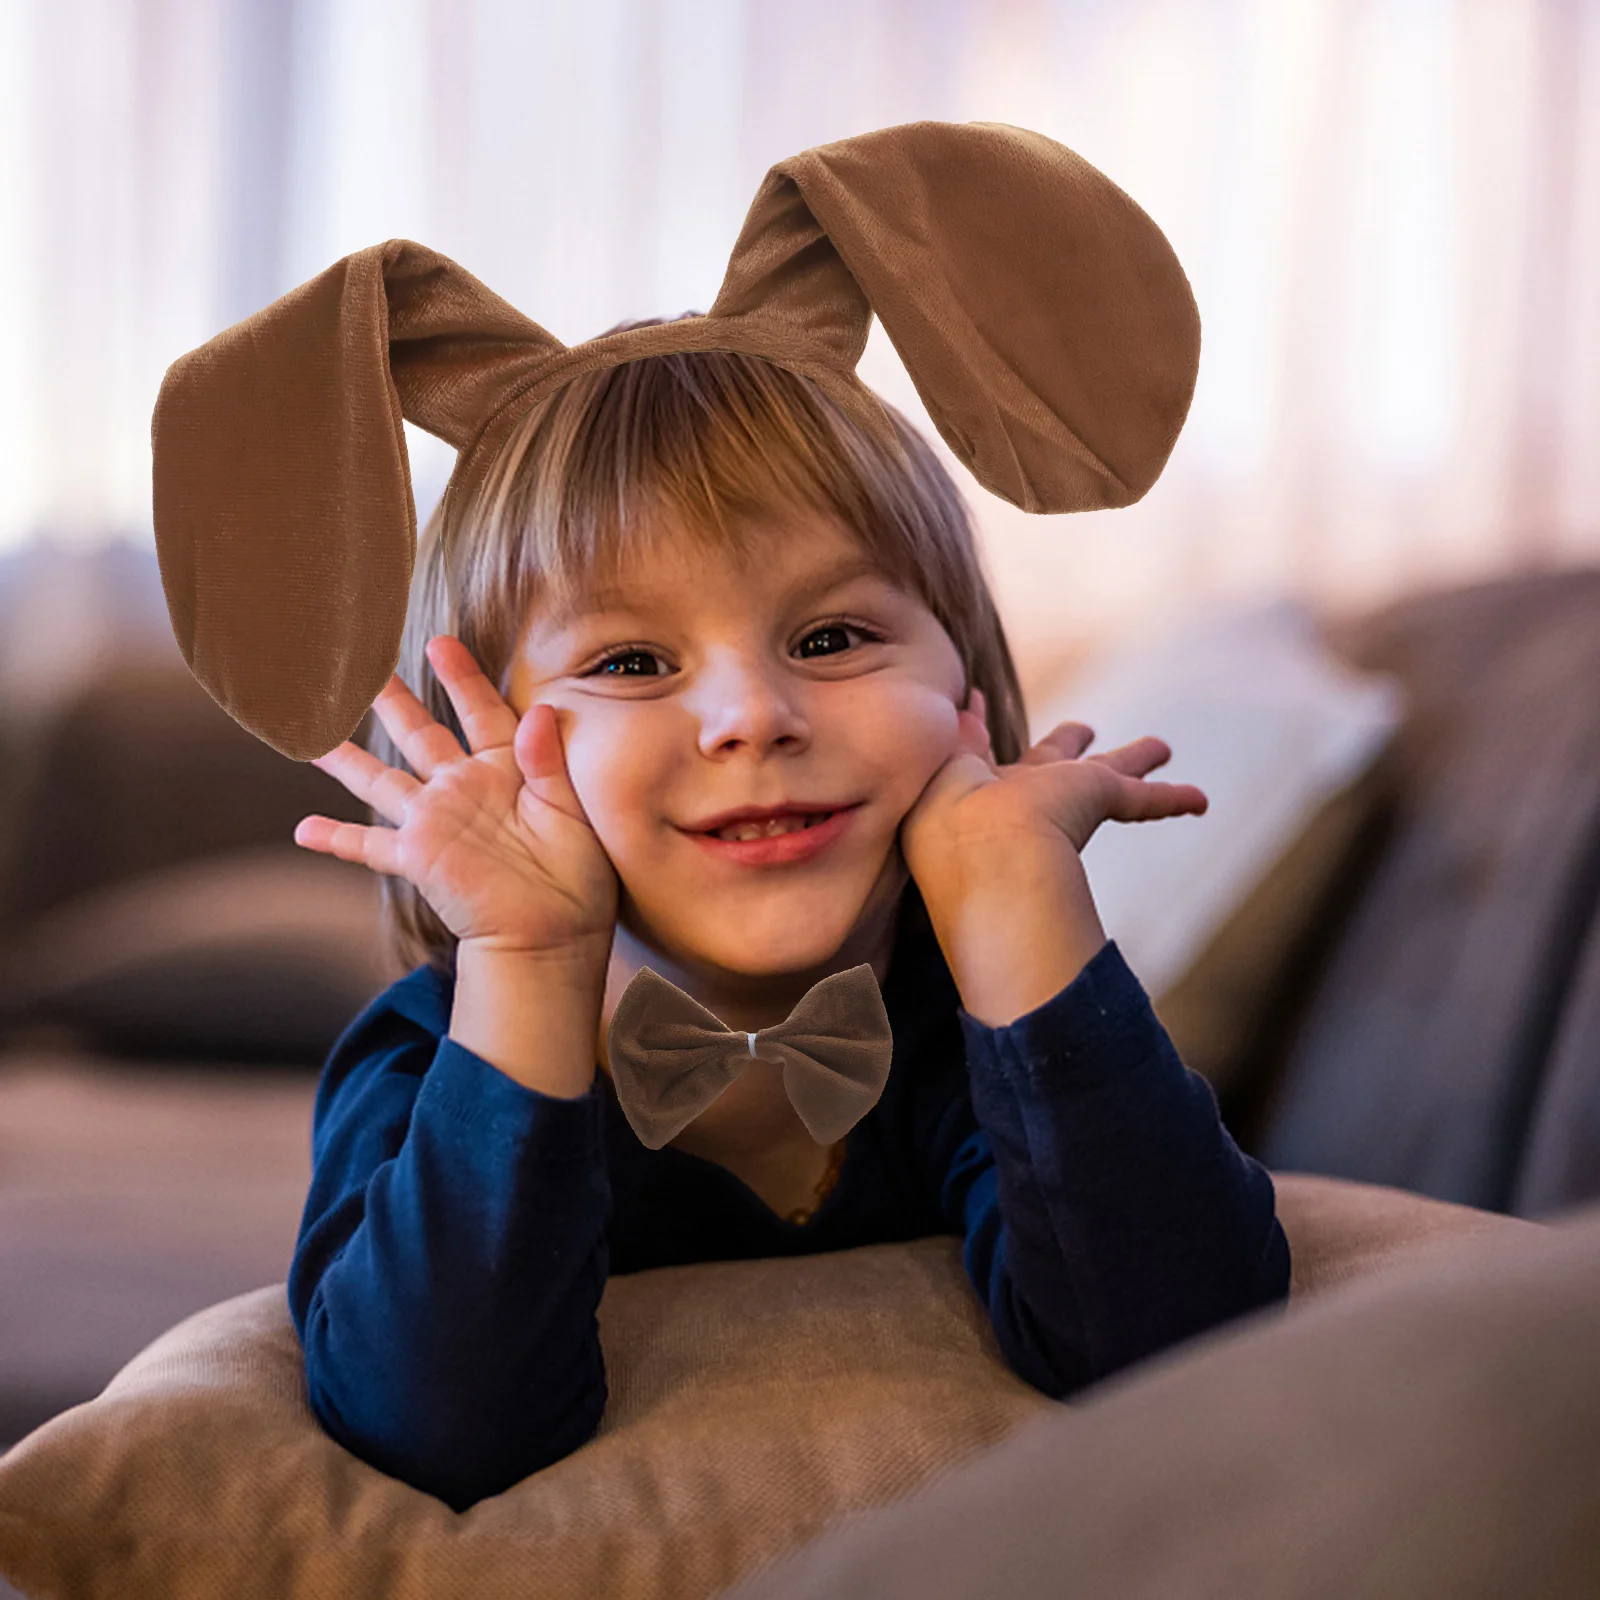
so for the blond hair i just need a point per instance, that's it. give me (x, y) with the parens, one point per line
(692, 443)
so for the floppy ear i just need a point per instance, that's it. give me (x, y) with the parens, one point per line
(285, 526)
(1043, 317)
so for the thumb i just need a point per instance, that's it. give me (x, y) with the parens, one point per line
(542, 760)
(966, 768)
(973, 733)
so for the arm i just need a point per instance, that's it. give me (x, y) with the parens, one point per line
(1107, 1212)
(452, 1252)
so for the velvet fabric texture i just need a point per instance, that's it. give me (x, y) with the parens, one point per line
(670, 1057)
(1043, 317)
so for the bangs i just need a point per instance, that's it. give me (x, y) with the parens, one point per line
(699, 446)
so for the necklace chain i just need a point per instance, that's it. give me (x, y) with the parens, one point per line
(825, 1186)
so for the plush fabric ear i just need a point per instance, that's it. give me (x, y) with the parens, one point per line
(285, 525)
(1043, 317)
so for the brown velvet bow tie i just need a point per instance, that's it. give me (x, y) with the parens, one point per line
(670, 1057)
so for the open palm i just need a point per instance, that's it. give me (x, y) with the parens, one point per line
(1053, 793)
(494, 837)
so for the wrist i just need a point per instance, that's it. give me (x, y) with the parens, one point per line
(1017, 934)
(579, 964)
(534, 1015)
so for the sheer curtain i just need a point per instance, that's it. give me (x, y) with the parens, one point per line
(1389, 211)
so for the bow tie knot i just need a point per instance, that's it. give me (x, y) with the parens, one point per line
(671, 1057)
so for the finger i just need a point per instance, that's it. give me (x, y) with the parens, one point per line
(974, 738)
(386, 789)
(486, 720)
(542, 758)
(350, 841)
(962, 771)
(1135, 759)
(425, 742)
(1138, 801)
(1064, 742)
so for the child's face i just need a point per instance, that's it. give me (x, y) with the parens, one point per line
(700, 688)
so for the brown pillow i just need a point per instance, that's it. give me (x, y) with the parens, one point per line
(1426, 1435)
(752, 1404)
(1341, 1231)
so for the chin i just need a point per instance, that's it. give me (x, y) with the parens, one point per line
(778, 935)
(761, 952)
(773, 958)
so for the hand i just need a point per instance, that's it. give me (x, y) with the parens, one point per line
(1049, 795)
(995, 853)
(495, 840)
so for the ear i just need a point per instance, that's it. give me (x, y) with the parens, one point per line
(1043, 317)
(285, 525)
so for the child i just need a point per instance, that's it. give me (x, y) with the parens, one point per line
(781, 634)
(712, 685)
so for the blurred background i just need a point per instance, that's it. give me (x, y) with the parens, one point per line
(1389, 211)
(1360, 601)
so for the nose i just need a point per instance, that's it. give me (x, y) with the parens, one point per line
(743, 702)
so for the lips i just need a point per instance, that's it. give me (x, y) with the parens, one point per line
(788, 848)
(770, 827)
(785, 817)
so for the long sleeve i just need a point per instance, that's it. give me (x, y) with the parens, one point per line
(450, 1261)
(1107, 1212)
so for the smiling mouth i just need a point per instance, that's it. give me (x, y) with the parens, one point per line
(740, 832)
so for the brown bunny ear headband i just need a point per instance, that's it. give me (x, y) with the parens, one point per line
(1043, 317)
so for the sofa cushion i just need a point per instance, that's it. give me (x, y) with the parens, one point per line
(130, 1198)
(752, 1404)
(141, 770)
(258, 955)
(1420, 1055)
(1426, 1435)
(1213, 912)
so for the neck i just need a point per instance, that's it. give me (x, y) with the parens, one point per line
(743, 1001)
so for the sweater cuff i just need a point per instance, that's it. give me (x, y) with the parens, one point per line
(1099, 1026)
(463, 1088)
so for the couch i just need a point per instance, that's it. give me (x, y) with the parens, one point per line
(1412, 995)
(755, 1406)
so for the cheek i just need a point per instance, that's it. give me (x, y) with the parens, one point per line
(609, 772)
(913, 735)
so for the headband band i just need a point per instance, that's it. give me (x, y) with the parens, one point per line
(1043, 317)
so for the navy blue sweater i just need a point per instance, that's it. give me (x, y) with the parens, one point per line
(460, 1227)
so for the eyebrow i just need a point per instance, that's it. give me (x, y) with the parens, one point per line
(606, 597)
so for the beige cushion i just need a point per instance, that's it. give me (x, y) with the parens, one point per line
(1224, 1007)
(753, 1404)
(1340, 1231)
(1432, 1434)
(1214, 913)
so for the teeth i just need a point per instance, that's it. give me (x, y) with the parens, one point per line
(738, 831)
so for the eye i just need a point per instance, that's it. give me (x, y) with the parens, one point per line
(624, 664)
(837, 634)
